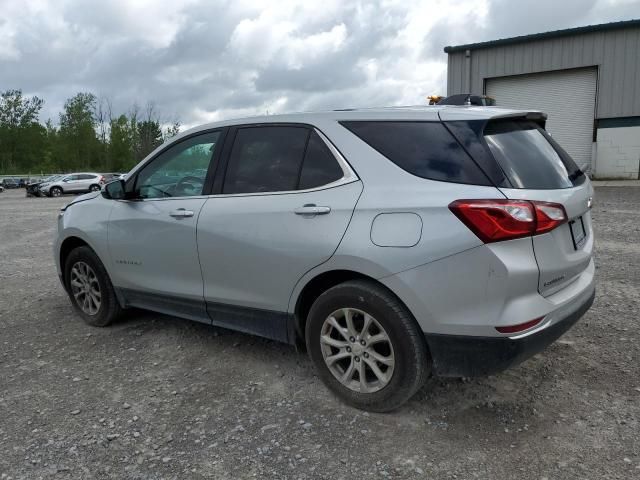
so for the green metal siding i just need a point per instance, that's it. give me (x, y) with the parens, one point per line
(615, 52)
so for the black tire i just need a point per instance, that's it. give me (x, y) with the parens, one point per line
(109, 309)
(55, 192)
(412, 360)
(94, 188)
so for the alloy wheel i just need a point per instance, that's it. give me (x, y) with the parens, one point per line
(357, 350)
(85, 288)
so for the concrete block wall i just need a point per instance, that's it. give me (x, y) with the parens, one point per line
(618, 153)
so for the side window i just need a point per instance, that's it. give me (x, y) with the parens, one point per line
(424, 149)
(70, 178)
(320, 166)
(265, 159)
(85, 176)
(179, 171)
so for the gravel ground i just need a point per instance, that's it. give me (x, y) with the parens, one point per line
(158, 397)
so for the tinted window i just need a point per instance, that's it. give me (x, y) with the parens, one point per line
(425, 149)
(320, 166)
(84, 176)
(179, 171)
(529, 157)
(265, 159)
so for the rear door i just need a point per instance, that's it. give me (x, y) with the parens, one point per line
(281, 209)
(539, 169)
(85, 181)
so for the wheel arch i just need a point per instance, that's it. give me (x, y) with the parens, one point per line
(68, 245)
(319, 284)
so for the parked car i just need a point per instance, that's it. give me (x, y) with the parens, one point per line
(393, 243)
(73, 183)
(33, 185)
(10, 183)
(1, 189)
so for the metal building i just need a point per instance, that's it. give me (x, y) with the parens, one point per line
(586, 79)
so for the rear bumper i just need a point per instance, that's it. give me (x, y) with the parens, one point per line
(470, 356)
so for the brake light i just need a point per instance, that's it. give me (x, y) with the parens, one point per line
(498, 220)
(101, 179)
(548, 216)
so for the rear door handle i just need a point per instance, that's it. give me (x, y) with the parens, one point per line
(312, 209)
(181, 213)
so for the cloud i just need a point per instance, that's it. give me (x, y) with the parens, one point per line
(203, 60)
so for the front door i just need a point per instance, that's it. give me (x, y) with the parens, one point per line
(152, 238)
(285, 204)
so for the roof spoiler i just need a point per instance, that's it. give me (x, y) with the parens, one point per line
(535, 116)
(474, 113)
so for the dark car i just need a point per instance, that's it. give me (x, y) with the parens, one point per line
(32, 187)
(10, 183)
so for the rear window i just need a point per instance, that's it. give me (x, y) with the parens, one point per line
(424, 149)
(529, 157)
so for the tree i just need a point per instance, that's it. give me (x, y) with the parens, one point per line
(172, 130)
(88, 136)
(149, 138)
(77, 131)
(121, 146)
(21, 136)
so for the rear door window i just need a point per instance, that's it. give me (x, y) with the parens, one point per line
(424, 149)
(529, 157)
(320, 167)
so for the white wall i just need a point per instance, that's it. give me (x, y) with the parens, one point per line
(618, 153)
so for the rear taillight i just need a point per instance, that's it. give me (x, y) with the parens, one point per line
(548, 216)
(498, 220)
(101, 179)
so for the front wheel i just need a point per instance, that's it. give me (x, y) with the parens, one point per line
(55, 191)
(366, 346)
(90, 289)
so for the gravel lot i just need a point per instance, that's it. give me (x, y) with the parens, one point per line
(158, 397)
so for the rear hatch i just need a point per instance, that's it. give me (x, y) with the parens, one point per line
(536, 168)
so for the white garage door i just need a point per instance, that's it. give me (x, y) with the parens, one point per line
(568, 97)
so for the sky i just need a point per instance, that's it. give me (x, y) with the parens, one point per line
(199, 61)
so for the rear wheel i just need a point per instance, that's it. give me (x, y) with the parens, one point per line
(55, 191)
(367, 347)
(90, 289)
(94, 188)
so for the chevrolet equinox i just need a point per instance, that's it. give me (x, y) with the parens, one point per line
(393, 243)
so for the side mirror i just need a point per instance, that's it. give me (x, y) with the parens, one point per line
(65, 180)
(114, 190)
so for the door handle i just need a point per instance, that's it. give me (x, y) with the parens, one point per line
(181, 213)
(312, 209)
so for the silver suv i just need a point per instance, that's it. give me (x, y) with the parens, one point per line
(72, 183)
(393, 243)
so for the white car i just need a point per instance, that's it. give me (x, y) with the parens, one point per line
(73, 183)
